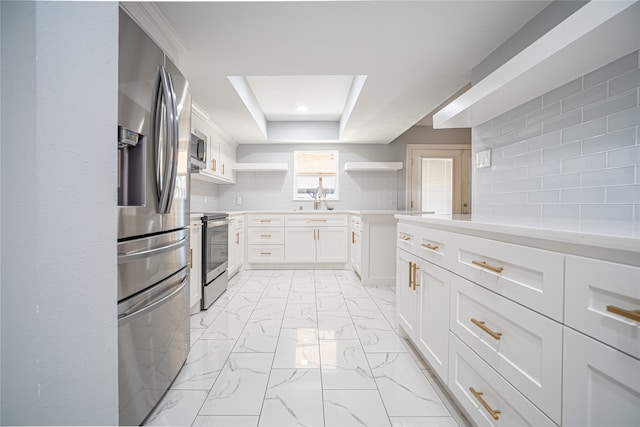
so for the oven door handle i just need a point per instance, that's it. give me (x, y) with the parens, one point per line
(131, 256)
(217, 223)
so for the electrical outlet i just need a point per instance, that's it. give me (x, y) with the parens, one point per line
(239, 200)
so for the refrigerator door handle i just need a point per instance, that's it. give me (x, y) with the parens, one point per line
(146, 306)
(173, 116)
(124, 258)
(163, 165)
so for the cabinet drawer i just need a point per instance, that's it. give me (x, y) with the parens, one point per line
(428, 244)
(236, 222)
(522, 345)
(467, 371)
(595, 285)
(532, 277)
(601, 385)
(265, 253)
(265, 220)
(265, 235)
(314, 220)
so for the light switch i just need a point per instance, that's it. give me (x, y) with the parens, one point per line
(239, 200)
(483, 159)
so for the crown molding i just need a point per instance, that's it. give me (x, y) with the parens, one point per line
(149, 17)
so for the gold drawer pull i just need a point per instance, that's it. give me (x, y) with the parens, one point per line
(480, 324)
(265, 220)
(265, 253)
(190, 258)
(265, 235)
(484, 264)
(410, 274)
(629, 314)
(405, 238)
(316, 220)
(415, 276)
(238, 238)
(478, 395)
(353, 237)
(428, 246)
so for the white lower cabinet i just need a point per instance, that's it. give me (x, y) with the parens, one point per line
(406, 299)
(332, 244)
(300, 244)
(236, 246)
(601, 384)
(487, 397)
(522, 345)
(356, 250)
(315, 244)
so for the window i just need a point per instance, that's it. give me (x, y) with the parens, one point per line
(309, 167)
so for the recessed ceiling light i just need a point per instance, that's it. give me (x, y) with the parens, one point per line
(302, 108)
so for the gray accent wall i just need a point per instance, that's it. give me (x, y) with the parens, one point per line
(569, 157)
(58, 208)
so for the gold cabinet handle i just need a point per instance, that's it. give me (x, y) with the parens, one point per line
(316, 220)
(428, 246)
(415, 275)
(629, 314)
(478, 395)
(405, 238)
(484, 264)
(213, 165)
(237, 238)
(190, 258)
(410, 274)
(318, 234)
(265, 253)
(265, 220)
(265, 235)
(223, 169)
(480, 324)
(353, 237)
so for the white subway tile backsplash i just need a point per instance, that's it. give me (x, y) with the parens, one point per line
(624, 157)
(624, 119)
(526, 159)
(611, 105)
(561, 211)
(585, 163)
(588, 129)
(561, 181)
(513, 174)
(545, 141)
(562, 92)
(586, 97)
(513, 125)
(514, 149)
(615, 176)
(543, 113)
(519, 198)
(561, 122)
(564, 151)
(528, 132)
(582, 195)
(543, 197)
(517, 185)
(612, 70)
(607, 212)
(623, 194)
(543, 169)
(625, 82)
(610, 141)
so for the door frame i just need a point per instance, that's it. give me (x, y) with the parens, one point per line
(465, 172)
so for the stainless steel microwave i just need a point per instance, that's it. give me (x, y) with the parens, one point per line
(197, 150)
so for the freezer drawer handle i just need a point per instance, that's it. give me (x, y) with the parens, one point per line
(154, 304)
(478, 395)
(131, 256)
(629, 314)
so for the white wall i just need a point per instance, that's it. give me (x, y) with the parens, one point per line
(58, 210)
(569, 158)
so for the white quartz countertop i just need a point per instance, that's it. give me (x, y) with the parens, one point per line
(559, 234)
(320, 212)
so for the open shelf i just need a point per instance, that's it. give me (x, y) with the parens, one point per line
(260, 167)
(372, 166)
(596, 34)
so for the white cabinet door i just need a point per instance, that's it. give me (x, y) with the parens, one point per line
(195, 254)
(242, 249)
(433, 288)
(332, 244)
(300, 244)
(227, 159)
(601, 385)
(406, 297)
(236, 246)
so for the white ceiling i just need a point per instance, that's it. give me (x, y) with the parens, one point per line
(415, 55)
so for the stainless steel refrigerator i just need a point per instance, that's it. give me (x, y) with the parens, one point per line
(154, 121)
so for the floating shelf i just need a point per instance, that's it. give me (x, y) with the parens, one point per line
(372, 166)
(596, 34)
(260, 167)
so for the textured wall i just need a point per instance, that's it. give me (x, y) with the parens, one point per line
(570, 154)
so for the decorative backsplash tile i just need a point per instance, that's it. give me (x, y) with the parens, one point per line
(570, 154)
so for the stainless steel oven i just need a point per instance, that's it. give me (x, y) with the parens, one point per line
(215, 256)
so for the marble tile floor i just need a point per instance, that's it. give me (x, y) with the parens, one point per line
(303, 348)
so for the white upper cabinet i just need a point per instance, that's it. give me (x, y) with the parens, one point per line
(220, 151)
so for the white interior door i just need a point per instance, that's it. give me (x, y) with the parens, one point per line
(440, 180)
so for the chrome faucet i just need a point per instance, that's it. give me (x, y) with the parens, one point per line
(318, 195)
